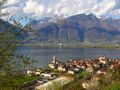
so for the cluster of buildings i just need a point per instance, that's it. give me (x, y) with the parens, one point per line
(97, 67)
(77, 65)
(38, 72)
(105, 65)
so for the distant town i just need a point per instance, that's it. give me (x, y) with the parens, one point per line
(88, 72)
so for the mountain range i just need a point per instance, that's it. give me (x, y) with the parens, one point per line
(78, 28)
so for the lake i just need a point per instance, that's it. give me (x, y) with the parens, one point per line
(45, 55)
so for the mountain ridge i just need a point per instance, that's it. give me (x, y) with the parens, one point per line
(79, 28)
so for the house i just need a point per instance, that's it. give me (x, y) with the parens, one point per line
(102, 71)
(61, 68)
(29, 72)
(46, 75)
(37, 72)
(90, 69)
(96, 66)
(83, 67)
(52, 66)
(115, 66)
(103, 60)
(33, 72)
(71, 72)
(60, 44)
(89, 64)
(77, 69)
(49, 75)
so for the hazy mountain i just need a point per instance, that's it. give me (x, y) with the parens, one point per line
(8, 27)
(114, 22)
(78, 28)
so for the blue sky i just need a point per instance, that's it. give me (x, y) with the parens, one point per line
(62, 8)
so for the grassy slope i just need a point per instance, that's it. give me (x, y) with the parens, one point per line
(14, 82)
(115, 86)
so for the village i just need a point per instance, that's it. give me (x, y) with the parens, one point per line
(95, 69)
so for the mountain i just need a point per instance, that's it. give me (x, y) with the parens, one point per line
(78, 28)
(8, 27)
(114, 22)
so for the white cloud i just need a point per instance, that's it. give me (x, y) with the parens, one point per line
(33, 7)
(43, 8)
(114, 13)
(12, 10)
(11, 2)
(103, 7)
(117, 11)
(67, 7)
(49, 10)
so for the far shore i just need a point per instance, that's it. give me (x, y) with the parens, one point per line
(52, 45)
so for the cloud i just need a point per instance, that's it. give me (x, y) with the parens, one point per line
(34, 8)
(67, 7)
(46, 8)
(49, 10)
(12, 10)
(104, 7)
(12, 2)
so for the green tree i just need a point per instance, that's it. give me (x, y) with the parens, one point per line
(11, 63)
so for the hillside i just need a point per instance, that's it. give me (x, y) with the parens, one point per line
(79, 28)
(11, 29)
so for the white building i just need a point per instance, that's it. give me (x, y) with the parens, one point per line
(61, 68)
(103, 60)
(71, 72)
(47, 75)
(52, 66)
(29, 72)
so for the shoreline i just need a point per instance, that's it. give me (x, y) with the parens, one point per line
(72, 46)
